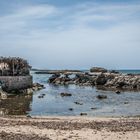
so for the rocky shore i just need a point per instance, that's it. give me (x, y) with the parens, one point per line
(69, 128)
(100, 78)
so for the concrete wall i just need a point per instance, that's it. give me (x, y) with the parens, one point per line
(16, 82)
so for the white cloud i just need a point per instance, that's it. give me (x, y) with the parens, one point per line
(35, 11)
(20, 18)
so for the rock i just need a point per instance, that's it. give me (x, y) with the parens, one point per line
(66, 76)
(101, 80)
(102, 97)
(28, 116)
(40, 96)
(126, 102)
(65, 94)
(93, 108)
(118, 92)
(98, 69)
(43, 94)
(71, 109)
(37, 86)
(83, 114)
(78, 103)
(29, 91)
(53, 77)
(121, 84)
(3, 94)
(113, 71)
(99, 77)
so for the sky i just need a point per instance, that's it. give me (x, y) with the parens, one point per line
(72, 34)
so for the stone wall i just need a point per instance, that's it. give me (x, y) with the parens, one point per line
(16, 82)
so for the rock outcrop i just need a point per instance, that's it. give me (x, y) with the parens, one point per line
(100, 78)
(98, 69)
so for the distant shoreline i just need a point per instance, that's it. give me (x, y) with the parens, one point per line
(49, 71)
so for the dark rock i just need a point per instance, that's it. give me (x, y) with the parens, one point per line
(105, 79)
(71, 109)
(43, 94)
(130, 74)
(53, 77)
(78, 103)
(98, 69)
(113, 71)
(135, 86)
(83, 114)
(121, 84)
(126, 102)
(118, 92)
(40, 96)
(93, 108)
(101, 80)
(65, 94)
(102, 97)
(37, 86)
(82, 78)
(66, 76)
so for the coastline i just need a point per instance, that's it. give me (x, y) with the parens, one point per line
(69, 128)
(75, 127)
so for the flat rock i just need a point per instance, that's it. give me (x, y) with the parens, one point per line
(65, 94)
(102, 97)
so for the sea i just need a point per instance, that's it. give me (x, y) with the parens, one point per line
(126, 104)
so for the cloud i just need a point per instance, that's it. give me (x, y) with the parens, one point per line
(73, 37)
(20, 18)
(35, 12)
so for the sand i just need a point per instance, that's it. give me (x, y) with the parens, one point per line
(69, 128)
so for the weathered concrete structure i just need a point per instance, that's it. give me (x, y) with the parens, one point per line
(14, 74)
(15, 82)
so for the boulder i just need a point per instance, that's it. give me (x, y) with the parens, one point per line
(102, 97)
(65, 94)
(93, 108)
(101, 80)
(29, 91)
(98, 69)
(121, 84)
(118, 92)
(71, 109)
(3, 94)
(78, 103)
(41, 96)
(114, 71)
(37, 86)
(53, 77)
(83, 114)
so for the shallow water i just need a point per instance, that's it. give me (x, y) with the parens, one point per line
(124, 104)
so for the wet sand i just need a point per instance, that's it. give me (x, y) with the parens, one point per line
(69, 128)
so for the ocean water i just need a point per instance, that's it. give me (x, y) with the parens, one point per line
(124, 104)
(130, 71)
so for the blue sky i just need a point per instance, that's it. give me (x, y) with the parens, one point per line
(72, 34)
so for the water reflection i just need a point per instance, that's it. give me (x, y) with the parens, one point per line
(16, 105)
